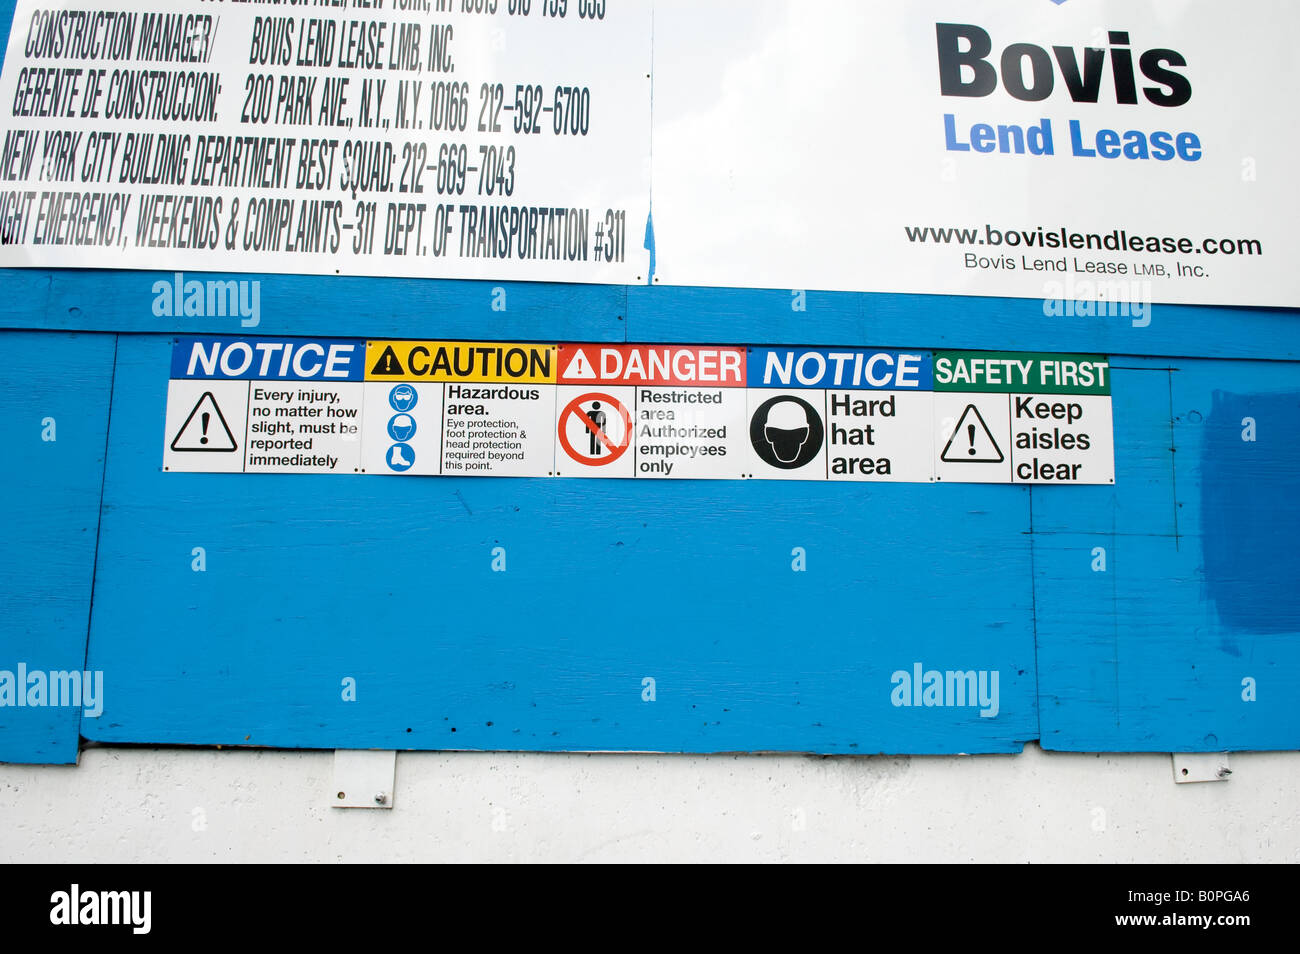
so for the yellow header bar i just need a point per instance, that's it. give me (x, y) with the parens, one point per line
(485, 361)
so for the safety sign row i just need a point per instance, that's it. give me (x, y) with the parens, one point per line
(264, 405)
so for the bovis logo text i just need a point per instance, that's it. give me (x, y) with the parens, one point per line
(1028, 72)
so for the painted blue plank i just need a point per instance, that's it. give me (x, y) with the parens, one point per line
(54, 399)
(311, 305)
(72, 300)
(757, 316)
(749, 316)
(309, 581)
(1186, 642)
(1024, 324)
(1238, 437)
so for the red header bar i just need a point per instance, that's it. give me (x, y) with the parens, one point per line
(659, 365)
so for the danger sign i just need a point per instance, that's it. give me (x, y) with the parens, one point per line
(661, 365)
(595, 429)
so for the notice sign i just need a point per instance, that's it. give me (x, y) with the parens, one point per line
(449, 139)
(466, 408)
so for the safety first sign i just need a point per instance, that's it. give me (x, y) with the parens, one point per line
(442, 408)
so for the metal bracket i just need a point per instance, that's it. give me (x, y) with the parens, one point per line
(363, 778)
(1201, 767)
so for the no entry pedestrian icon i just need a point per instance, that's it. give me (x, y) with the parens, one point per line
(595, 429)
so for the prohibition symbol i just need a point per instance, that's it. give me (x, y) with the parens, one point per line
(590, 418)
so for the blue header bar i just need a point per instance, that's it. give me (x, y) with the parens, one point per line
(831, 368)
(270, 359)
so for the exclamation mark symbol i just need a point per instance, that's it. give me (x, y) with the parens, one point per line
(970, 432)
(388, 362)
(207, 418)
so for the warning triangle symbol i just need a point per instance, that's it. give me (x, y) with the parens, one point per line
(971, 441)
(579, 367)
(205, 429)
(388, 363)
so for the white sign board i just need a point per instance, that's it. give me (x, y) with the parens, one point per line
(678, 412)
(1088, 150)
(504, 139)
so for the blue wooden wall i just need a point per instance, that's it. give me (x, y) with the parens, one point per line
(310, 580)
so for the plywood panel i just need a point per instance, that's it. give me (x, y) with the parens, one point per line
(54, 400)
(309, 581)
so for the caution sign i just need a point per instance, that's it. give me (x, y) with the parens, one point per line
(205, 430)
(972, 442)
(595, 429)
(463, 361)
(388, 365)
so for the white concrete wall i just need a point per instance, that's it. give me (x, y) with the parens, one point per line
(130, 805)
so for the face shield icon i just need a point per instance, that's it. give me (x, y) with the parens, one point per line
(401, 428)
(786, 430)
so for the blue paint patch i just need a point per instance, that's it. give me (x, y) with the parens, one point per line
(1250, 511)
(650, 245)
(1165, 610)
(7, 10)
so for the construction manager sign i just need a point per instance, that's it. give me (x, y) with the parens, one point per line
(1071, 150)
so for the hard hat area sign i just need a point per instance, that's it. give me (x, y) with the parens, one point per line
(434, 408)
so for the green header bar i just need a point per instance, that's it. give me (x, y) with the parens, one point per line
(1013, 372)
